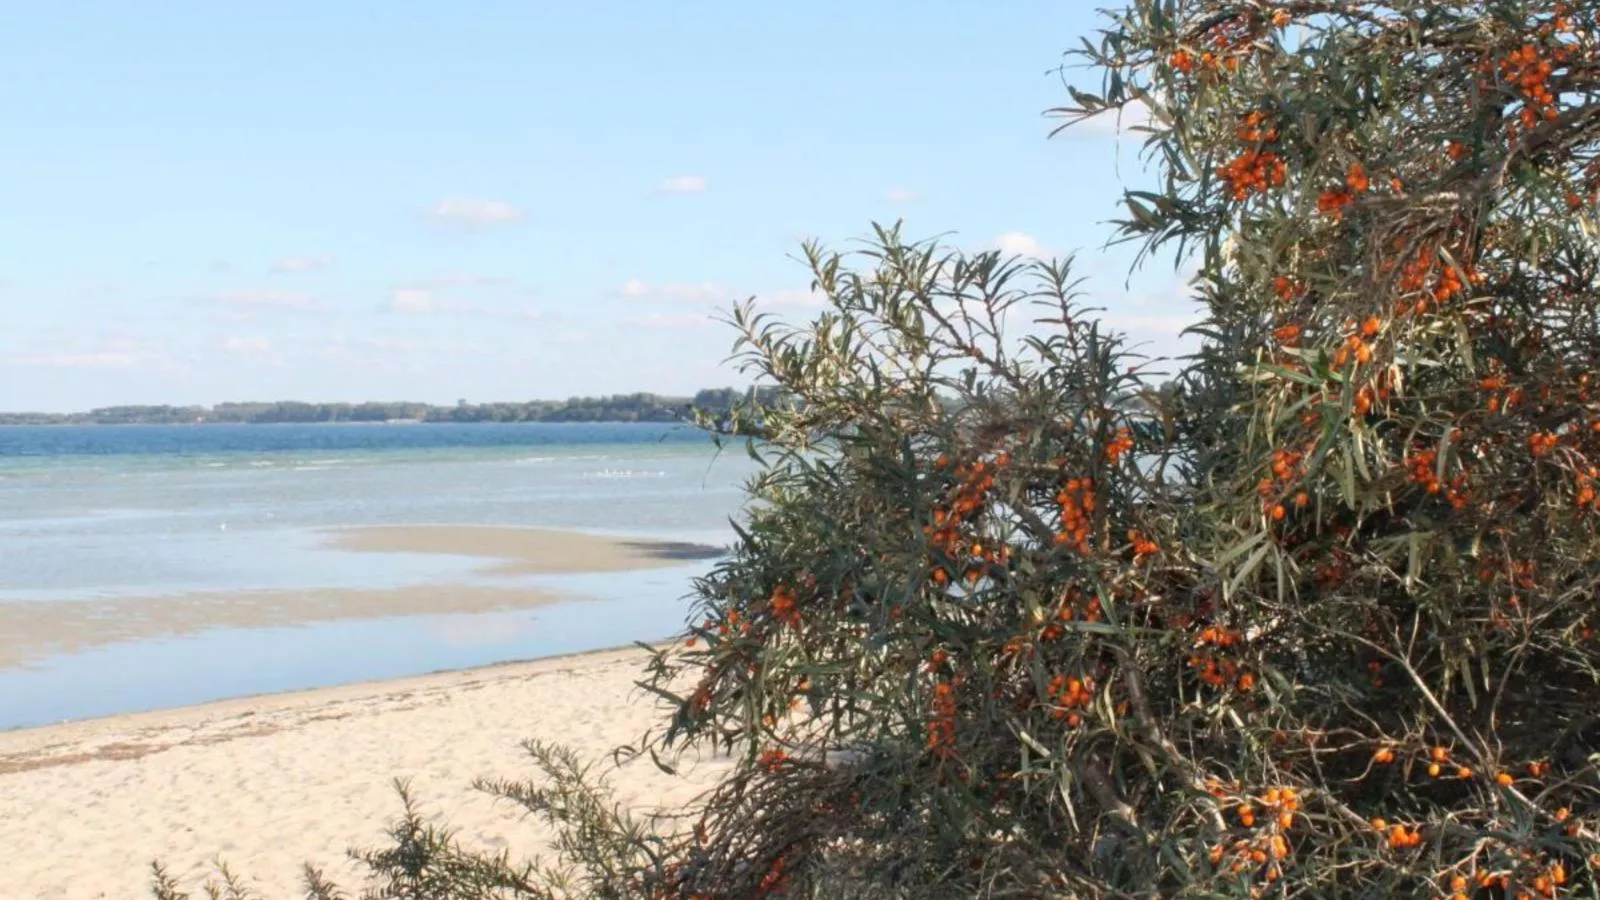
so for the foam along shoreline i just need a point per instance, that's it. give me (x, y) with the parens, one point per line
(271, 782)
(524, 551)
(31, 630)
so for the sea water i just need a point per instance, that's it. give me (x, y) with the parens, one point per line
(156, 511)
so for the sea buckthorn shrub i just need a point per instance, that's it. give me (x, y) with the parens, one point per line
(1318, 622)
(1311, 613)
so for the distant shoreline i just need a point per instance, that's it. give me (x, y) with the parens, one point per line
(397, 422)
(617, 408)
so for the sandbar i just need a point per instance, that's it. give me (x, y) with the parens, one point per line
(524, 551)
(32, 630)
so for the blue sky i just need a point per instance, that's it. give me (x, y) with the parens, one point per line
(497, 200)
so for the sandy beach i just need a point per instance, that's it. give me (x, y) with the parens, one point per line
(30, 630)
(269, 783)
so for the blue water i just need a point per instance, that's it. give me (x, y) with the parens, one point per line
(156, 511)
(171, 442)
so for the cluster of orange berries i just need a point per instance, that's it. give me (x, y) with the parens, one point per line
(1333, 203)
(1121, 443)
(1283, 804)
(1287, 466)
(772, 759)
(1142, 546)
(731, 623)
(1524, 574)
(1070, 694)
(1073, 598)
(973, 486)
(1253, 172)
(1354, 346)
(1526, 71)
(1268, 848)
(1217, 673)
(784, 605)
(1542, 443)
(1414, 277)
(1399, 836)
(1421, 468)
(942, 727)
(1223, 38)
(1356, 181)
(1539, 874)
(775, 881)
(1077, 505)
(1586, 494)
(1543, 883)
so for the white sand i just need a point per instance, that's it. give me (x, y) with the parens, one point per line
(270, 783)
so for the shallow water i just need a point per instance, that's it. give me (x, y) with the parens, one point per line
(146, 511)
(607, 610)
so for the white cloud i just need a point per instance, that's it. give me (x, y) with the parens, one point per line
(422, 301)
(795, 298)
(302, 264)
(683, 184)
(464, 280)
(102, 360)
(670, 321)
(412, 300)
(704, 292)
(901, 196)
(272, 300)
(1016, 243)
(469, 212)
(247, 346)
(389, 343)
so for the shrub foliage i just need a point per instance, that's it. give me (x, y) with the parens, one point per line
(1016, 616)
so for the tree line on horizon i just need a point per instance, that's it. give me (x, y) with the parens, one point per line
(636, 407)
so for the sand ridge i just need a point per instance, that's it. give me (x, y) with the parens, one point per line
(523, 551)
(268, 783)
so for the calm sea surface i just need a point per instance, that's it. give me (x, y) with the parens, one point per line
(143, 511)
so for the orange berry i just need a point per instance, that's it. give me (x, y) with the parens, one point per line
(1504, 779)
